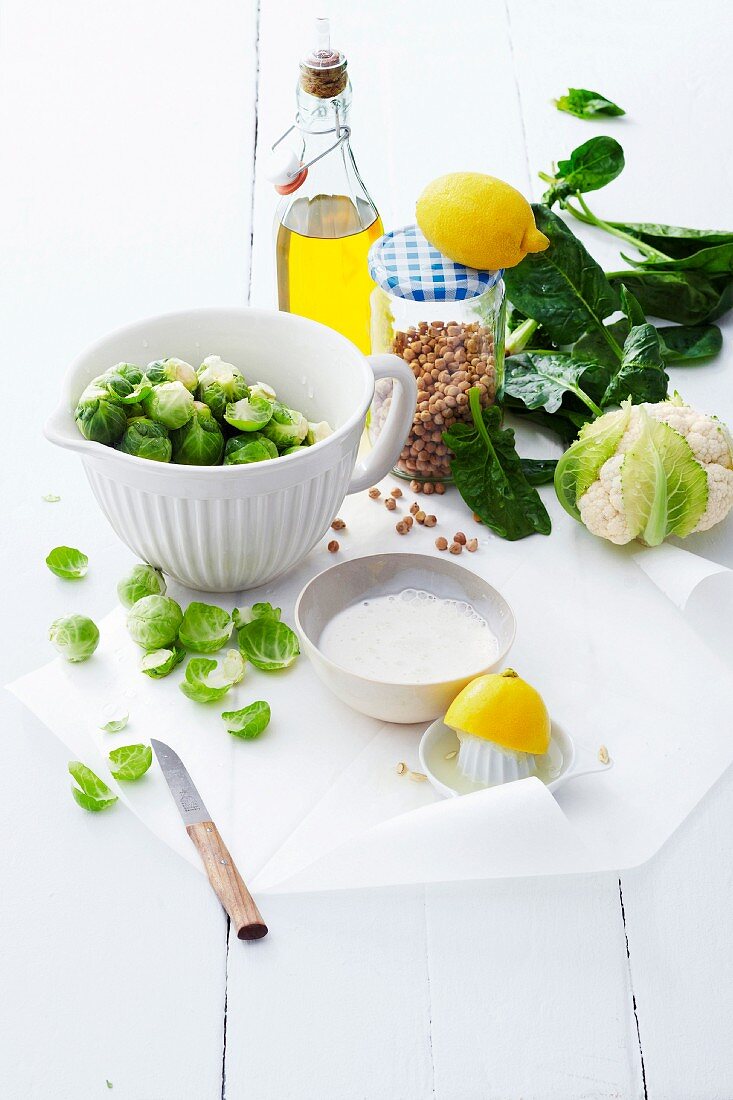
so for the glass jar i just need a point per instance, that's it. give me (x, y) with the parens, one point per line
(447, 322)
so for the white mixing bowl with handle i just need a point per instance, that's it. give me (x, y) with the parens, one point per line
(226, 528)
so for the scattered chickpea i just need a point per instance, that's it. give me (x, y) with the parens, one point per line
(338, 524)
(472, 545)
(455, 548)
(460, 537)
(390, 503)
(401, 528)
(430, 521)
(409, 520)
(477, 518)
(439, 488)
(428, 488)
(333, 546)
(375, 493)
(416, 486)
(396, 492)
(414, 509)
(441, 543)
(420, 516)
(401, 768)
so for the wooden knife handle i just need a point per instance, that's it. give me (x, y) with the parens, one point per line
(227, 882)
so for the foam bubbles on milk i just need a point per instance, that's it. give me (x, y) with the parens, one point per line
(412, 636)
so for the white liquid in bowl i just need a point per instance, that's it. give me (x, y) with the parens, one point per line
(413, 637)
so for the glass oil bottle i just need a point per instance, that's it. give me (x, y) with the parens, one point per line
(326, 221)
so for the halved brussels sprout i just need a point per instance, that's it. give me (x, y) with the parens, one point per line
(241, 449)
(160, 662)
(199, 442)
(146, 439)
(99, 418)
(154, 621)
(261, 389)
(287, 427)
(294, 450)
(75, 636)
(142, 580)
(219, 384)
(172, 370)
(317, 432)
(250, 414)
(170, 404)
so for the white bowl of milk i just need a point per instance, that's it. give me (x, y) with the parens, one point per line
(397, 636)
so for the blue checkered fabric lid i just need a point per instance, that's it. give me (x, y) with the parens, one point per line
(405, 264)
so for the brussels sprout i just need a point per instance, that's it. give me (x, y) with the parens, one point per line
(243, 615)
(317, 432)
(133, 411)
(68, 563)
(126, 383)
(205, 627)
(171, 404)
(75, 636)
(294, 450)
(99, 418)
(153, 622)
(160, 662)
(261, 389)
(241, 449)
(205, 681)
(142, 580)
(219, 384)
(146, 439)
(200, 442)
(130, 761)
(268, 644)
(249, 722)
(91, 794)
(287, 426)
(172, 370)
(249, 414)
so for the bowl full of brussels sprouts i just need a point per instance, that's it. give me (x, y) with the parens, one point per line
(220, 443)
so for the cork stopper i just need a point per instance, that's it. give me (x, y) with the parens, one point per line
(323, 70)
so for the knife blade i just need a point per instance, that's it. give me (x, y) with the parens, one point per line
(227, 883)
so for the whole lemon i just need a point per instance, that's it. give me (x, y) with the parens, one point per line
(503, 708)
(478, 221)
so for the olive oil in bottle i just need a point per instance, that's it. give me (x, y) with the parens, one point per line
(326, 221)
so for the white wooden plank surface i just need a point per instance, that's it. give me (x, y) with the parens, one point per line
(131, 135)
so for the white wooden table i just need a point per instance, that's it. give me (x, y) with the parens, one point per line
(132, 134)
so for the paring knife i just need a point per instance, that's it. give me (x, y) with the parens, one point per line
(226, 880)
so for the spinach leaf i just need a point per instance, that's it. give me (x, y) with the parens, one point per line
(675, 240)
(565, 423)
(682, 343)
(488, 474)
(641, 375)
(592, 347)
(538, 471)
(687, 297)
(714, 260)
(588, 168)
(563, 288)
(584, 103)
(541, 380)
(630, 306)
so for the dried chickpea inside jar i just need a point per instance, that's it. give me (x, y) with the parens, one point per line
(447, 322)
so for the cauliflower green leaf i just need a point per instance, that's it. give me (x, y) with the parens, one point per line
(578, 468)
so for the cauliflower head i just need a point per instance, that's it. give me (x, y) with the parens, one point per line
(648, 471)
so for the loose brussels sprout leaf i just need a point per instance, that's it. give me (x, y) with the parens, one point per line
(51, 498)
(129, 762)
(261, 389)
(100, 419)
(243, 615)
(317, 432)
(250, 414)
(205, 627)
(204, 682)
(232, 667)
(126, 383)
(199, 442)
(154, 621)
(170, 404)
(219, 384)
(142, 580)
(161, 662)
(268, 644)
(115, 718)
(68, 563)
(75, 637)
(249, 722)
(172, 370)
(287, 426)
(91, 793)
(145, 438)
(242, 449)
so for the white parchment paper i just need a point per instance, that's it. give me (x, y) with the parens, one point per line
(607, 634)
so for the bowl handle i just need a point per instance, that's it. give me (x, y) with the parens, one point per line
(386, 450)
